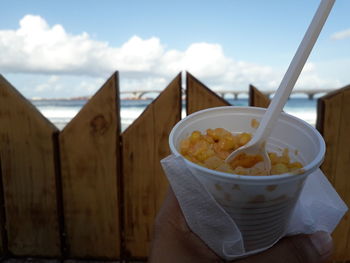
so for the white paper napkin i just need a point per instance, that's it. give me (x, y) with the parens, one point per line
(319, 208)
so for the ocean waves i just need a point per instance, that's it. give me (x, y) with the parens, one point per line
(60, 112)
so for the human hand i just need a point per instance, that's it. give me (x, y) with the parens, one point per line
(173, 241)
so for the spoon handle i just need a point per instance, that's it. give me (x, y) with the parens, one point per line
(281, 96)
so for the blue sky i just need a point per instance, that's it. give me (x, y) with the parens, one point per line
(69, 48)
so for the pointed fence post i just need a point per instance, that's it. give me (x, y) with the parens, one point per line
(90, 167)
(333, 122)
(28, 162)
(257, 98)
(199, 97)
(145, 143)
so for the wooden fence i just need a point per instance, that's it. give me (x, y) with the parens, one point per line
(91, 191)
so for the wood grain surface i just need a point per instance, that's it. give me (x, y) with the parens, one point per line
(199, 97)
(333, 122)
(89, 150)
(27, 156)
(145, 143)
(257, 98)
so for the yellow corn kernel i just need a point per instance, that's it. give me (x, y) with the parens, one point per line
(246, 160)
(223, 154)
(273, 158)
(294, 166)
(254, 123)
(210, 152)
(213, 162)
(243, 138)
(285, 152)
(200, 147)
(185, 146)
(202, 156)
(195, 136)
(285, 157)
(227, 142)
(210, 133)
(208, 139)
(219, 152)
(279, 168)
(217, 133)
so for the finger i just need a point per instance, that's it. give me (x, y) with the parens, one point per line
(296, 249)
(173, 241)
(171, 213)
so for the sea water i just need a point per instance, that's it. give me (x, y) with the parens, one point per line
(60, 112)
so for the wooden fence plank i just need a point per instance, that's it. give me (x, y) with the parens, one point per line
(3, 237)
(334, 124)
(89, 261)
(199, 97)
(27, 154)
(257, 98)
(89, 147)
(145, 143)
(30, 260)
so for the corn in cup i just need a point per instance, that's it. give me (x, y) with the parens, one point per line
(212, 148)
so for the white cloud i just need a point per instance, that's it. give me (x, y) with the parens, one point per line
(49, 84)
(66, 86)
(89, 87)
(38, 48)
(341, 34)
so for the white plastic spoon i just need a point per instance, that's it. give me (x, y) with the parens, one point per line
(257, 144)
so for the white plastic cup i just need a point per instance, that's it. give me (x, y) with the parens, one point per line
(261, 206)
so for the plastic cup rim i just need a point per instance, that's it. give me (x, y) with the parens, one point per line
(307, 169)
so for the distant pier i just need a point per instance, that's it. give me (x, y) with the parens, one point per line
(141, 94)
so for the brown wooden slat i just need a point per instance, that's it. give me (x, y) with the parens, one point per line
(27, 155)
(199, 97)
(89, 147)
(257, 98)
(3, 237)
(30, 260)
(89, 261)
(343, 164)
(329, 111)
(334, 124)
(145, 143)
(342, 179)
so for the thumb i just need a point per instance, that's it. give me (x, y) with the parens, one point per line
(317, 247)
